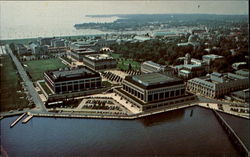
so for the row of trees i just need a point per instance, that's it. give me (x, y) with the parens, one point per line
(163, 52)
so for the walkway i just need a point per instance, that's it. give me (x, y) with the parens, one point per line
(28, 83)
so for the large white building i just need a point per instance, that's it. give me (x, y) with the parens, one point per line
(149, 67)
(99, 61)
(217, 85)
(153, 90)
(211, 57)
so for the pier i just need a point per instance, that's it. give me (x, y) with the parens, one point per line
(17, 120)
(27, 119)
(232, 135)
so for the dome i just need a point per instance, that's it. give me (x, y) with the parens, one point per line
(192, 38)
(188, 55)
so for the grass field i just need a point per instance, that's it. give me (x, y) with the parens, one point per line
(45, 88)
(10, 84)
(37, 67)
(124, 64)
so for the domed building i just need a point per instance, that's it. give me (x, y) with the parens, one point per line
(193, 38)
(187, 59)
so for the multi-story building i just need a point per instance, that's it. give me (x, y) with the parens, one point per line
(211, 57)
(74, 80)
(188, 71)
(79, 54)
(57, 42)
(191, 67)
(80, 45)
(38, 50)
(217, 85)
(45, 41)
(153, 90)
(239, 65)
(243, 72)
(242, 96)
(21, 49)
(99, 61)
(149, 67)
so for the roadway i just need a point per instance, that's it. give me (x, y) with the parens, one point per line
(28, 83)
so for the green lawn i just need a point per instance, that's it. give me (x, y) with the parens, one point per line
(124, 64)
(10, 84)
(115, 55)
(36, 68)
(45, 88)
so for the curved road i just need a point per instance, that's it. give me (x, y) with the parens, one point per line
(28, 83)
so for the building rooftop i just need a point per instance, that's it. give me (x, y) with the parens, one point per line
(242, 93)
(212, 56)
(185, 71)
(98, 57)
(151, 63)
(71, 74)
(153, 80)
(84, 51)
(141, 38)
(243, 72)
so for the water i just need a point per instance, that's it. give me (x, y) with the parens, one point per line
(173, 133)
(49, 26)
(241, 126)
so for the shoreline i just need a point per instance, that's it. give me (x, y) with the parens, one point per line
(115, 117)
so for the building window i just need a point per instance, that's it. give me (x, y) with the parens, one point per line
(150, 97)
(87, 85)
(161, 95)
(98, 84)
(182, 91)
(156, 96)
(177, 92)
(171, 93)
(70, 88)
(76, 87)
(58, 90)
(93, 85)
(139, 95)
(166, 94)
(64, 88)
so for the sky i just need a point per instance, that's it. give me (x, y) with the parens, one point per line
(19, 14)
(25, 11)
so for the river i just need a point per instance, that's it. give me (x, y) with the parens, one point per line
(174, 133)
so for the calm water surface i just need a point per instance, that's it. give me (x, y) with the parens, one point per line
(241, 126)
(175, 133)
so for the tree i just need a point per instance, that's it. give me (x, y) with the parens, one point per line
(129, 67)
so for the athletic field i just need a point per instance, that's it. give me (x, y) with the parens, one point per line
(36, 68)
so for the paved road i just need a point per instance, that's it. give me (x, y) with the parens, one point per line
(28, 83)
(210, 100)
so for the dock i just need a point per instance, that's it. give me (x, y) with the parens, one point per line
(17, 120)
(27, 119)
(232, 135)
